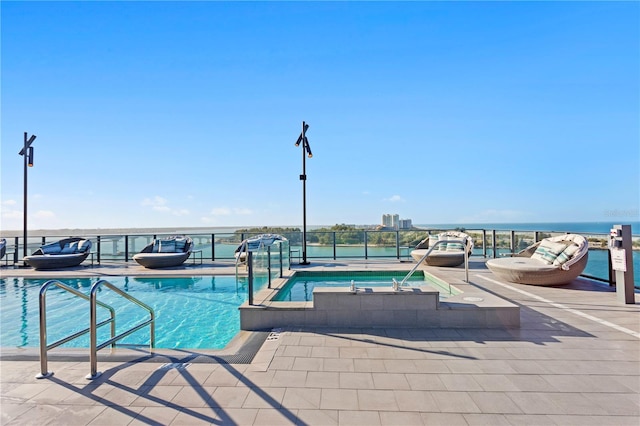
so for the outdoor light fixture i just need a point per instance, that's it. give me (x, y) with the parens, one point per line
(27, 155)
(303, 177)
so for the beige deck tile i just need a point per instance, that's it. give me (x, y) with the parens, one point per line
(237, 416)
(425, 382)
(459, 382)
(154, 396)
(332, 364)
(282, 363)
(274, 416)
(318, 417)
(566, 420)
(25, 392)
(283, 378)
(625, 404)
(535, 402)
(448, 419)
(415, 401)
(531, 420)
(270, 397)
(369, 365)
(494, 382)
(323, 379)
(529, 383)
(358, 418)
(194, 397)
(306, 398)
(339, 399)
(229, 397)
(257, 378)
(349, 380)
(296, 351)
(455, 402)
(308, 364)
(400, 418)
(325, 352)
(494, 402)
(155, 415)
(116, 416)
(390, 381)
(197, 416)
(486, 419)
(430, 366)
(377, 400)
(223, 377)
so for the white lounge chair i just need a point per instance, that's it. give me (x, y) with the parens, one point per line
(61, 254)
(444, 254)
(165, 252)
(551, 261)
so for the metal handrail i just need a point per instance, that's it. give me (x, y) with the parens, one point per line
(93, 356)
(466, 245)
(44, 348)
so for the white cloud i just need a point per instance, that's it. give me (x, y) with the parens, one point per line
(44, 214)
(161, 204)
(395, 199)
(242, 211)
(9, 203)
(220, 211)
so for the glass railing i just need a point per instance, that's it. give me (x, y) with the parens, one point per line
(349, 244)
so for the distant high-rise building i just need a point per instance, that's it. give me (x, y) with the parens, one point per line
(405, 224)
(391, 221)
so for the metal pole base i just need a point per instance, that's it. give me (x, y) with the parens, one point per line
(93, 376)
(44, 376)
(304, 263)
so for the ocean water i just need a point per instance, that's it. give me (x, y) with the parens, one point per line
(577, 227)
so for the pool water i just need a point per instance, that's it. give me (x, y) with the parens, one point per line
(191, 312)
(300, 287)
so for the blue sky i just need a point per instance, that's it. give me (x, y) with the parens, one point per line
(163, 114)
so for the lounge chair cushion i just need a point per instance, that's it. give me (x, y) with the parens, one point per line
(167, 246)
(548, 251)
(566, 254)
(69, 248)
(53, 248)
(84, 246)
(180, 244)
(156, 246)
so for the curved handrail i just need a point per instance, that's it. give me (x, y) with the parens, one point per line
(93, 356)
(44, 348)
(466, 245)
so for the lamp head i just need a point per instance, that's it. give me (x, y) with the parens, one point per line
(30, 157)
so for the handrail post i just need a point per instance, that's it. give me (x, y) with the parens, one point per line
(281, 271)
(398, 245)
(493, 243)
(126, 248)
(98, 247)
(365, 245)
(93, 335)
(44, 373)
(250, 276)
(334, 245)
(268, 266)
(213, 247)
(484, 243)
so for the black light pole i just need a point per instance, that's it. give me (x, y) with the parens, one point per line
(27, 154)
(303, 177)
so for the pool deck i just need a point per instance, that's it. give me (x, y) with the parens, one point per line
(575, 360)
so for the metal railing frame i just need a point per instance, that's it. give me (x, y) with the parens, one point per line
(94, 325)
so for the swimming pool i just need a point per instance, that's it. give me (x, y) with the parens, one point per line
(300, 287)
(191, 312)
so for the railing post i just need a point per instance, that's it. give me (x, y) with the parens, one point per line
(126, 248)
(484, 243)
(250, 276)
(334, 245)
(281, 272)
(15, 251)
(398, 245)
(513, 241)
(213, 247)
(98, 247)
(268, 266)
(366, 234)
(493, 243)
